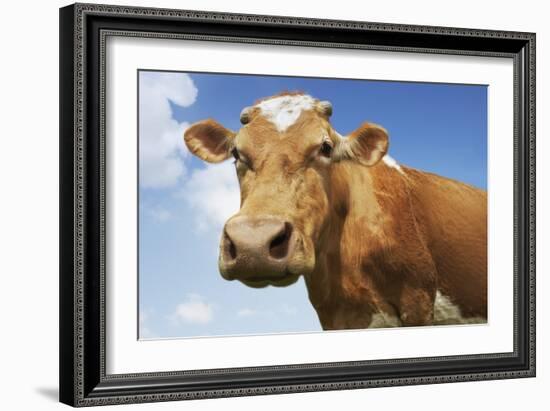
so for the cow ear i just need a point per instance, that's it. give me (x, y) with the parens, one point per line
(368, 144)
(209, 140)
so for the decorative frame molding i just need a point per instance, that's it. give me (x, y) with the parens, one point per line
(83, 32)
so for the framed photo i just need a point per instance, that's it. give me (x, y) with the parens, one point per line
(260, 204)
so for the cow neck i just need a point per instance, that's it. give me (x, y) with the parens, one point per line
(353, 207)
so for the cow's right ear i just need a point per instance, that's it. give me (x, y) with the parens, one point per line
(209, 140)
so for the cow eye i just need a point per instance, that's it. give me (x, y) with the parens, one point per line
(235, 154)
(326, 149)
(240, 160)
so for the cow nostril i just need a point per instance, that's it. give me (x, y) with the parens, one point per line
(279, 245)
(230, 249)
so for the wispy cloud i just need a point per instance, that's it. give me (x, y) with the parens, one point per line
(284, 310)
(158, 213)
(144, 327)
(160, 135)
(246, 312)
(194, 310)
(213, 193)
(288, 309)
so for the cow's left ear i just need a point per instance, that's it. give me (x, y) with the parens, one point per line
(368, 144)
(209, 140)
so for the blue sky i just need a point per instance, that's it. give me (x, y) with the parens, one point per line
(439, 128)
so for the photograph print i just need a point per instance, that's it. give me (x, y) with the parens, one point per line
(271, 204)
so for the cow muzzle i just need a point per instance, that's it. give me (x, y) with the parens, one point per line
(257, 251)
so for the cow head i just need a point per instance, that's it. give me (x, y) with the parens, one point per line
(284, 155)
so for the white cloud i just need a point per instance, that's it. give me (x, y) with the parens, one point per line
(194, 310)
(161, 146)
(144, 329)
(288, 309)
(159, 214)
(246, 312)
(213, 193)
(284, 309)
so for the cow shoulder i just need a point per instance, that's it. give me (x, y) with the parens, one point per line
(383, 249)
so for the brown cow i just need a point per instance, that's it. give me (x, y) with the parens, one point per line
(378, 244)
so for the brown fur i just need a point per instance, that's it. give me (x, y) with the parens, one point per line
(372, 240)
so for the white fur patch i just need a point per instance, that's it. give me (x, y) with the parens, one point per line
(390, 162)
(283, 111)
(446, 312)
(382, 320)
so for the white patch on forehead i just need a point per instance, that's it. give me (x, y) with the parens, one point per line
(283, 111)
(390, 162)
(446, 312)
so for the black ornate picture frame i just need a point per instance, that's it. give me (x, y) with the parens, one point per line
(83, 32)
